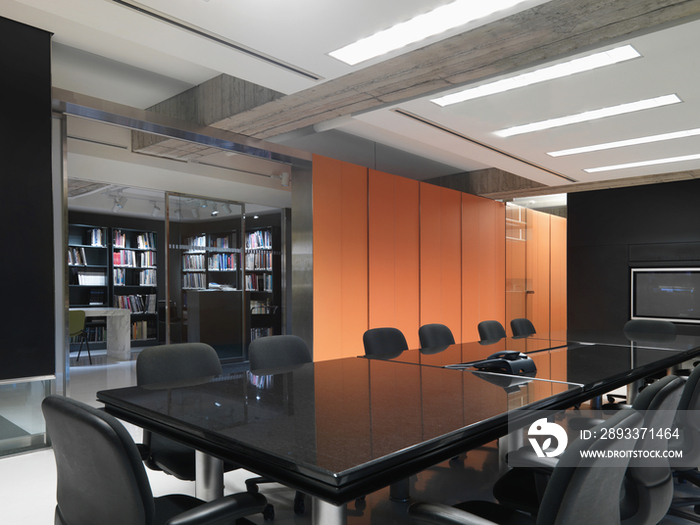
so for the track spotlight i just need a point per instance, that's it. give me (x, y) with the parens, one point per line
(214, 212)
(285, 179)
(156, 209)
(195, 213)
(227, 208)
(204, 204)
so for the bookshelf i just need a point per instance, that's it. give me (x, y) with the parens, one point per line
(135, 280)
(210, 261)
(88, 275)
(262, 280)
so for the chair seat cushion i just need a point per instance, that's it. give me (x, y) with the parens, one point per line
(517, 489)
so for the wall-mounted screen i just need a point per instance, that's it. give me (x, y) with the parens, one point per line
(671, 294)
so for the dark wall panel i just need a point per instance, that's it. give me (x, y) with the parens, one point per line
(27, 340)
(611, 231)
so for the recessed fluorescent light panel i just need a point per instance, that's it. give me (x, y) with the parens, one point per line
(587, 116)
(625, 143)
(578, 65)
(644, 163)
(419, 28)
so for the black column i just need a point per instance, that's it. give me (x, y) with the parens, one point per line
(27, 338)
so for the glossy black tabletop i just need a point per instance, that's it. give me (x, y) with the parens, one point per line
(338, 429)
(619, 338)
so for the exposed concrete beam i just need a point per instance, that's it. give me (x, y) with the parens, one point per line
(598, 185)
(490, 180)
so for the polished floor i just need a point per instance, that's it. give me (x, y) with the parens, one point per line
(28, 481)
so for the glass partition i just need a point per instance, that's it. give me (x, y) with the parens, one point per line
(205, 297)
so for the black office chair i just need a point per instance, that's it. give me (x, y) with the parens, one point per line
(101, 478)
(649, 330)
(435, 335)
(688, 442)
(575, 495)
(648, 489)
(266, 355)
(491, 330)
(384, 342)
(184, 363)
(522, 327)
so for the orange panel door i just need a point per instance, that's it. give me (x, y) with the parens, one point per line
(558, 274)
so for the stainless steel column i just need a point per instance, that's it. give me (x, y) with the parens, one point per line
(209, 477)
(324, 513)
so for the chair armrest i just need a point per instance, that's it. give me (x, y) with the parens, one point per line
(526, 458)
(437, 514)
(223, 510)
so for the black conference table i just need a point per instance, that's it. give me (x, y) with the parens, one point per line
(340, 429)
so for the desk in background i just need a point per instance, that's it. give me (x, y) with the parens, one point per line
(118, 330)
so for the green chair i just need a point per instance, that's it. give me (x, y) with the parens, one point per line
(76, 328)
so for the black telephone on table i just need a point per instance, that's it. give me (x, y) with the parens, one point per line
(505, 362)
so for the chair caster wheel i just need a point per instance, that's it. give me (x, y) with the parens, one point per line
(299, 505)
(360, 503)
(269, 513)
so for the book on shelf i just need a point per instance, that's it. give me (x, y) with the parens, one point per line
(147, 278)
(194, 280)
(148, 259)
(139, 330)
(96, 237)
(200, 241)
(119, 239)
(146, 241)
(76, 257)
(193, 262)
(137, 304)
(124, 258)
(119, 277)
(88, 278)
(221, 242)
(260, 332)
(256, 282)
(260, 239)
(97, 297)
(258, 261)
(222, 262)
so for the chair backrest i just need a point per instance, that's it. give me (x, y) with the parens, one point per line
(278, 351)
(177, 363)
(522, 327)
(490, 330)
(100, 475)
(434, 335)
(76, 322)
(649, 330)
(688, 423)
(585, 493)
(384, 341)
(649, 487)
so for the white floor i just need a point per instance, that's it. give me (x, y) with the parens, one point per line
(28, 481)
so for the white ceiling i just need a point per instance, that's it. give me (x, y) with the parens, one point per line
(105, 50)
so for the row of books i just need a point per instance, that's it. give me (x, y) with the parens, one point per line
(137, 304)
(260, 307)
(197, 242)
(134, 259)
(96, 237)
(193, 262)
(94, 334)
(221, 242)
(145, 278)
(141, 330)
(260, 332)
(76, 257)
(261, 239)
(258, 261)
(222, 262)
(194, 280)
(86, 278)
(256, 282)
(144, 241)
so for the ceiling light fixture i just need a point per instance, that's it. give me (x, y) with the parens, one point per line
(156, 209)
(419, 28)
(624, 143)
(214, 211)
(227, 208)
(195, 213)
(578, 65)
(590, 115)
(119, 203)
(643, 163)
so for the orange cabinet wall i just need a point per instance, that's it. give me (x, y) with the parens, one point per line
(340, 258)
(390, 251)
